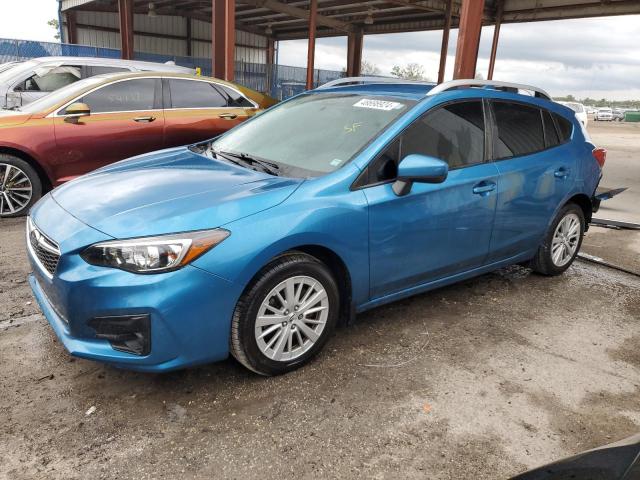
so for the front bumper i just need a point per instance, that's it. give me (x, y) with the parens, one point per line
(189, 309)
(190, 316)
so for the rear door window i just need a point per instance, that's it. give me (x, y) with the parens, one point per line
(565, 127)
(126, 96)
(550, 132)
(195, 94)
(453, 133)
(519, 130)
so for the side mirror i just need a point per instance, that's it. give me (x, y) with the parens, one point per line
(421, 169)
(77, 110)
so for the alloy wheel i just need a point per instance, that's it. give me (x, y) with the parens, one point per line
(291, 318)
(16, 189)
(565, 240)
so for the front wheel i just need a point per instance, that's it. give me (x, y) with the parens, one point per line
(20, 186)
(561, 243)
(286, 315)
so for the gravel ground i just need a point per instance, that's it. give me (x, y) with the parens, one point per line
(483, 379)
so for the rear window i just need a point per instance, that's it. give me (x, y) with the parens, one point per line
(519, 130)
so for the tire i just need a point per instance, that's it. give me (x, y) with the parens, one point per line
(567, 248)
(16, 176)
(308, 322)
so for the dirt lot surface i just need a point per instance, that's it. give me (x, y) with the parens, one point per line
(479, 380)
(622, 141)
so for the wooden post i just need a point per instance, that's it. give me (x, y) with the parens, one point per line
(311, 52)
(468, 39)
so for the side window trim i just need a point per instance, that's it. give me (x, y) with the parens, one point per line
(363, 181)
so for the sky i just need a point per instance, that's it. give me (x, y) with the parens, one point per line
(596, 57)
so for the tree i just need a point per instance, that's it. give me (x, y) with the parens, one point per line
(367, 68)
(54, 23)
(413, 71)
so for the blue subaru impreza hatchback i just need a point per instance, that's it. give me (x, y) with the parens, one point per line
(339, 200)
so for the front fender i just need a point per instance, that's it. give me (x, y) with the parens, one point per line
(337, 224)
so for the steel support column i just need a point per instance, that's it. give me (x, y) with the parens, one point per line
(311, 52)
(125, 11)
(271, 56)
(468, 38)
(223, 36)
(189, 36)
(355, 41)
(445, 40)
(496, 37)
(72, 27)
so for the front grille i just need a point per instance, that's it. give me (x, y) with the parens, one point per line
(45, 250)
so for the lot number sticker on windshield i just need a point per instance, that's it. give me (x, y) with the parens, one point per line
(377, 104)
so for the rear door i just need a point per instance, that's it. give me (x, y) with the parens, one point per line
(197, 110)
(126, 119)
(536, 175)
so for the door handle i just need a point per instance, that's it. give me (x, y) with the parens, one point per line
(228, 116)
(144, 119)
(484, 188)
(561, 173)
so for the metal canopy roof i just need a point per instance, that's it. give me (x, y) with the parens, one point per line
(288, 19)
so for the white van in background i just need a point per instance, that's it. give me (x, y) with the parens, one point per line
(581, 111)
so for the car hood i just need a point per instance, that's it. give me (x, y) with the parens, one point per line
(10, 118)
(169, 191)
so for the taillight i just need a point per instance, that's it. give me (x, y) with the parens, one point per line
(600, 154)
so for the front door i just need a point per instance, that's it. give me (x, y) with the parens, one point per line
(436, 230)
(125, 121)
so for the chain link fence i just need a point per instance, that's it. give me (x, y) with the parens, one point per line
(280, 81)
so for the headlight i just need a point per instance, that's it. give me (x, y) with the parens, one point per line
(154, 254)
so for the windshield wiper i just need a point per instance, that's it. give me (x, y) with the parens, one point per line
(268, 167)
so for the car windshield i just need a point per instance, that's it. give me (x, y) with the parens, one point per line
(313, 134)
(65, 93)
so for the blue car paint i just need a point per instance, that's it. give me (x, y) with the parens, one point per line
(390, 246)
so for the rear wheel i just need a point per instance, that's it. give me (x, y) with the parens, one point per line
(561, 243)
(20, 186)
(286, 315)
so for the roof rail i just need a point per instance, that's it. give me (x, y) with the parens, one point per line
(364, 80)
(443, 87)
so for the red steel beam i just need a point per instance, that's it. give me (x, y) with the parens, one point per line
(311, 53)
(125, 12)
(445, 40)
(355, 41)
(496, 37)
(468, 39)
(223, 36)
